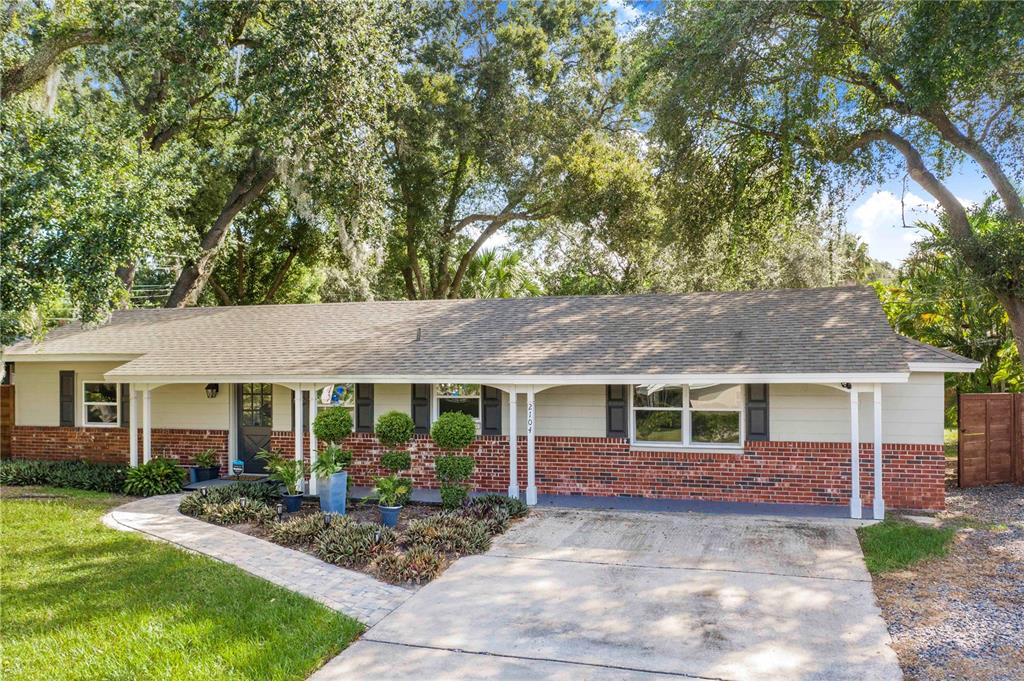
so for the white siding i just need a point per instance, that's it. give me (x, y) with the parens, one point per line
(391, 397)
(912, 413)
(569, 410)
(37, 389)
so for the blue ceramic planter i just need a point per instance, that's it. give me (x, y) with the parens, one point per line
(334, 493)
(292, 502)
(389, 515)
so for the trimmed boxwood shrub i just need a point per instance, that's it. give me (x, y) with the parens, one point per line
(453, 471)
(394, 428)
(453, 430)
(97, 477)
(159, 476)
(396, 461)
(332, 425)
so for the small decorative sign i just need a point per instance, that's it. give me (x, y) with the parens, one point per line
(237, 467)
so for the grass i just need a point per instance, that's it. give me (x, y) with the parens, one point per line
(950, 439)
(81, 601)
(897, 544)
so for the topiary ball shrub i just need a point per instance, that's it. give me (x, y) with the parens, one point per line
(394, 428)
(453, 496)
(159, 476)
(418, 565)
(396, 461)
(453, 471)
(333, 425)
(453, 430)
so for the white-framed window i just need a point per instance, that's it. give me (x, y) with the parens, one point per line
(339, 395)
(702, 415)
(100, 406)
(460, 397)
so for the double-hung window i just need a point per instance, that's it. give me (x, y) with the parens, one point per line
(457, 397)
(100, 406)
(688, 415)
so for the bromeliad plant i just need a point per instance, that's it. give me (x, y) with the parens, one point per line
(158, 476)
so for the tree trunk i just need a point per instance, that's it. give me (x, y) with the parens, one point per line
(194, 275)
(1014, 307)
(279, 276)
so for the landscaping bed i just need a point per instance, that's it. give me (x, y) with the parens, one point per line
(956, 612)
(83, 601)
(426, 540)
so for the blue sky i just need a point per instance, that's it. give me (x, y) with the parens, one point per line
(876, 214)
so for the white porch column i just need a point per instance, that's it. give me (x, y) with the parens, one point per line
(133, 426)
(312, 440)
(855, 505)
(297, 428)
(147, 425)
(513, 446)
(531, 417)
(878, 504)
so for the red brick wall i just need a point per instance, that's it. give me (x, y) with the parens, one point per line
(777, 472)
(110, 445)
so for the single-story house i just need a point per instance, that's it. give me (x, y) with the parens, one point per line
(787, 396)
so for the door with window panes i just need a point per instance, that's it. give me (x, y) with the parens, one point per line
(255, 413)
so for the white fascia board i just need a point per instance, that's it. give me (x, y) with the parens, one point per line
(513, 379)
(945, 367)
(20, 356)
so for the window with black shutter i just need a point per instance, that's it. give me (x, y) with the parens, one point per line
(490, 423)
(364, 407)
(618, 409)
(757, 411)
(421, 407)
(67, 398)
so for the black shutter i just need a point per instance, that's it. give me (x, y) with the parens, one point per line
(67, 398)
(126, 405)
(421, 407)
(757, 411)
(491, 417)
(618, 425)
(364, 407)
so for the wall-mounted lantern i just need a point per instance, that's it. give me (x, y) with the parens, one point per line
(212, 389)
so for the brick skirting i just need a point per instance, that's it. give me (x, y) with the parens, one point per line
(775, 472)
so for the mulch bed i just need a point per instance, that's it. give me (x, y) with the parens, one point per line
(962, 616)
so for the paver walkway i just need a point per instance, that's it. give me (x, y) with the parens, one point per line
(353, 593)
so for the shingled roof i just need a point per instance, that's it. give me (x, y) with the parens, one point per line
(834, 331)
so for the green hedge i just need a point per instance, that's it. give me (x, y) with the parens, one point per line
(97, 477)
(394, 428)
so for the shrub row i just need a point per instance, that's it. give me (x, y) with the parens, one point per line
(97, 477)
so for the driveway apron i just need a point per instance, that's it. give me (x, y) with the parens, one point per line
(609, 595)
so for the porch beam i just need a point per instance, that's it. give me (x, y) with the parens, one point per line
(513, 445)
(855, 502)
(133, 426)
(312, 440)
(531, 417)
(878, 502)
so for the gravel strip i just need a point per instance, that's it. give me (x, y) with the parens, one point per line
(962, 616)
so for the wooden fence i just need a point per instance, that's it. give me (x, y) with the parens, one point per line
(991, 439)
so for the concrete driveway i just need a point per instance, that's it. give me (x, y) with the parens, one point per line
(571, 594)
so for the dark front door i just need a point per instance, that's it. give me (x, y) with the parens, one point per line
(255, 410)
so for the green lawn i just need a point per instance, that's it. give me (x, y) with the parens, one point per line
(896, 544)
(81, 601)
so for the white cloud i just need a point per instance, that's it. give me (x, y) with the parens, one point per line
(626, 12)
(879, 221)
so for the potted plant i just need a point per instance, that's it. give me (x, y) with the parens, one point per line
(330, 469)
(205, 466)
(331, 426)
(392, 493)
(289, 473)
